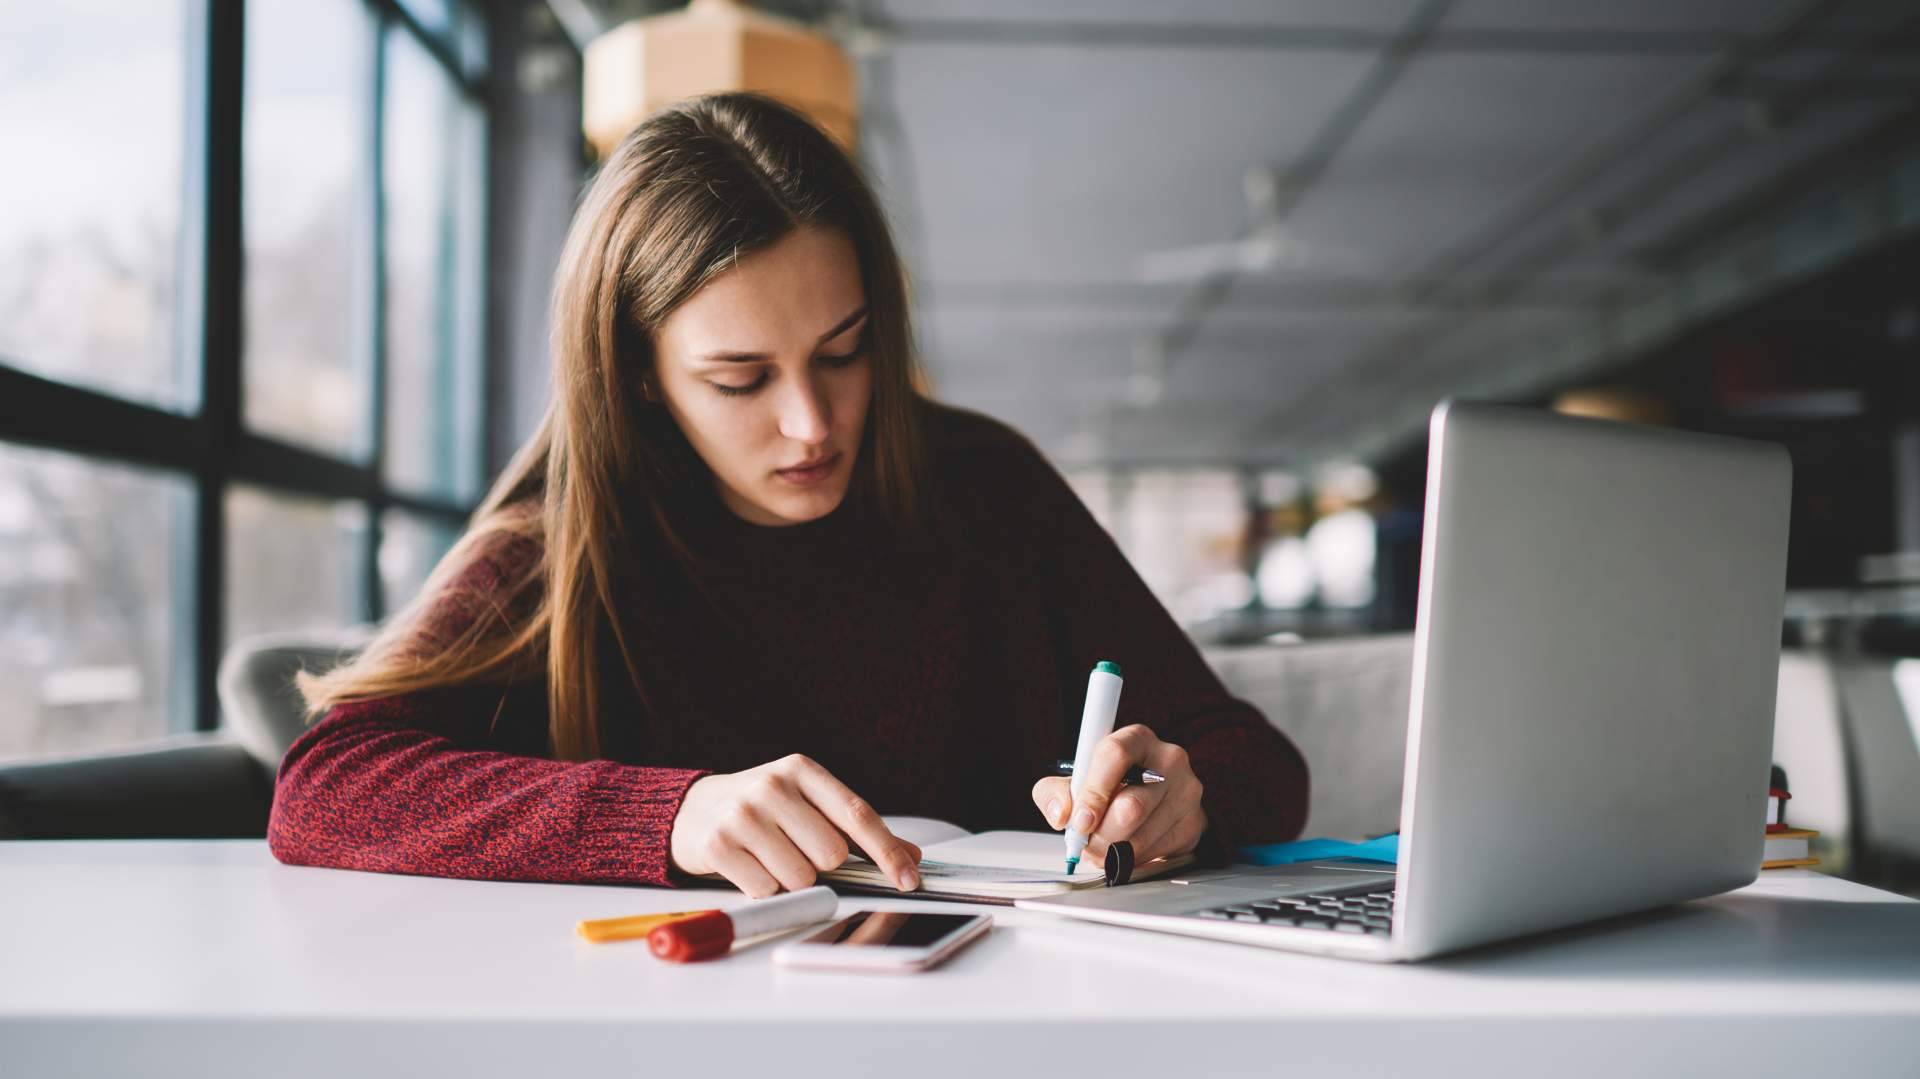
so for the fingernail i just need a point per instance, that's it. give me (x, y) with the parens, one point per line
(1083, 821)
(908, 880)
(1053, 812)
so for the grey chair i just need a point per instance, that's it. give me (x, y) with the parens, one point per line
(1344, 704)
(258, 700)
(1884, 741)
(196, 786)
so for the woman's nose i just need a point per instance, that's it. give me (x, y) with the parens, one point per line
(804, 414)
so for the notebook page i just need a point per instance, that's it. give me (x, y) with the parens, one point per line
(924, 832)
(1017, 855)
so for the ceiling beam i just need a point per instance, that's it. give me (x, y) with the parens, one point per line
(1311, 164)
(1269, 37)
(1672, 176)
(1301, 297)
(1316, 410)
(1780, 243)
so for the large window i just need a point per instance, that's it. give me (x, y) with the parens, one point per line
(293, 563)
(432, 171)
(1182, 529)
(241, 350)
(92, 111)
(93, 597)
(308, 139)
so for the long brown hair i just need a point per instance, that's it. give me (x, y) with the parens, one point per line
(692, 190)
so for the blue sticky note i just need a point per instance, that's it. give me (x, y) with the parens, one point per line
(1384, 849)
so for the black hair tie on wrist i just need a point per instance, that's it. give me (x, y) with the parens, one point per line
(1119, 862)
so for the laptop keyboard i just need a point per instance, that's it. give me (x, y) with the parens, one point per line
(1370, 912)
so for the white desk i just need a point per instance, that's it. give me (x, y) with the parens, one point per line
(209, 958)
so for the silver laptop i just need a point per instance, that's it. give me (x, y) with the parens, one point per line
(1595, 660)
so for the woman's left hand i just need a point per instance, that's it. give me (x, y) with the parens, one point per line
(1159, 819)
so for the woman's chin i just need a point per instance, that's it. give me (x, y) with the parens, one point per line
(782, 507)
(799, 507)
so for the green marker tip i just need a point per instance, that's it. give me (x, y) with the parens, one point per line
(1072, 864)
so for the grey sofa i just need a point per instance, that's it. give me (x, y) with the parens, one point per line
(1343, 702)
(1846, 730)
(198, 786)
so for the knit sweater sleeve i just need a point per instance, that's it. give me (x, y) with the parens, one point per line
(419, 784)
(1256, 781)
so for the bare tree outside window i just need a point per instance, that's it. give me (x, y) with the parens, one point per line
(103, 282)
(292, 563)
(307, 142)
(92, 595)
(93, 94)
(92, 583)
(433, 165)
(410, 546)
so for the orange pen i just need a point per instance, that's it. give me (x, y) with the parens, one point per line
(601, 930)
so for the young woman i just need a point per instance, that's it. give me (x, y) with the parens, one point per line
(746, 589)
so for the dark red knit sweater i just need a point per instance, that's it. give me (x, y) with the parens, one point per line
(938, 678)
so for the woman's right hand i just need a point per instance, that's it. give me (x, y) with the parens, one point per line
(777, 825)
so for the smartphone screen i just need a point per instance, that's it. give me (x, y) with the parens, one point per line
(890, 929)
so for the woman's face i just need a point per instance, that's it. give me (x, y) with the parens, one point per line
(766, 369)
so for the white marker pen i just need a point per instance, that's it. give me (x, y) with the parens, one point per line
(1096, 722)
(710, 933)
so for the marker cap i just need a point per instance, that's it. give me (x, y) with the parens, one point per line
(687, 940)
(1108, 666)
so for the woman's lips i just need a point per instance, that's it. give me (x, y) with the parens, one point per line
(806, 477)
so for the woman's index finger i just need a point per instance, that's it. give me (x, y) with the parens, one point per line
(856, 816)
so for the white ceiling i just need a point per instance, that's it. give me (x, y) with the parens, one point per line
(1032, 153)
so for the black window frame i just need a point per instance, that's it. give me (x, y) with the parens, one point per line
(210, 444)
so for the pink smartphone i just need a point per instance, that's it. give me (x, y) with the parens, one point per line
(885, 941)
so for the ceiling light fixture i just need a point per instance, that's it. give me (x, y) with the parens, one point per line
(713, 46)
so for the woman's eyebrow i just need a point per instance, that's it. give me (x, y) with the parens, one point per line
(844, 325)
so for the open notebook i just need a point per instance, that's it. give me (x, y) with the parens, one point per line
(986, 867)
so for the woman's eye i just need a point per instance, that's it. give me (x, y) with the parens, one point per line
(847, 359)
(738, 391)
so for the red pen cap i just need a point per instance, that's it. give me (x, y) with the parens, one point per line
(685, 940)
